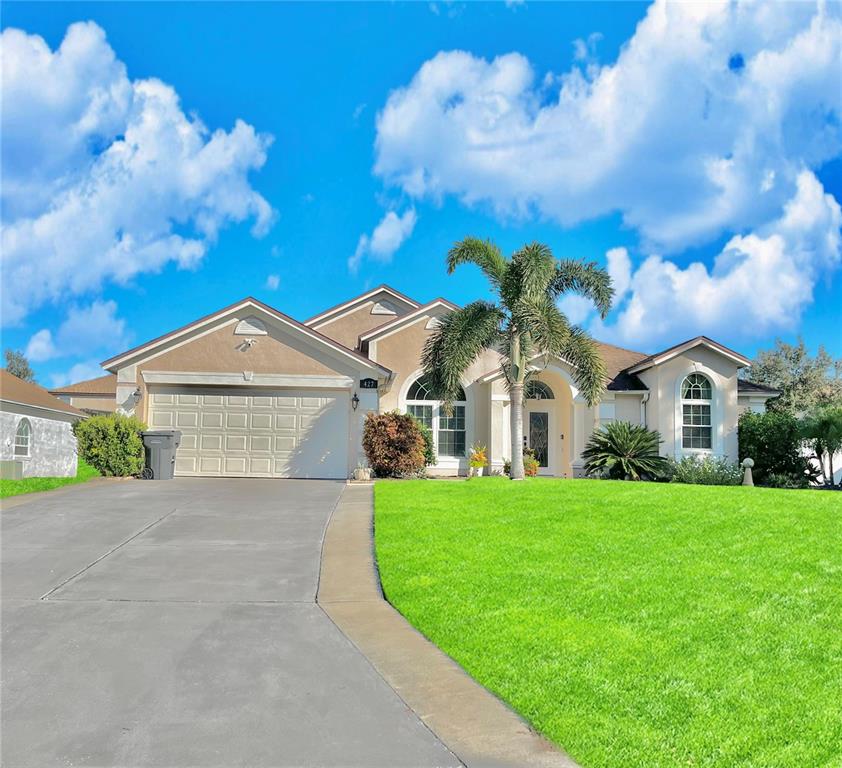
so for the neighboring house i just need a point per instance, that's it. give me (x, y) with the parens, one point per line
(257, 393)
(35, 431)
(93, 396)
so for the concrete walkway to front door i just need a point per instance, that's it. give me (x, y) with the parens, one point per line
(175, 624)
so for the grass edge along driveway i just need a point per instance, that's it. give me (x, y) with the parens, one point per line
(634, 624)
(84, 472)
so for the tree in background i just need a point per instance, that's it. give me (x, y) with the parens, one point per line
(805, 382)
(822, 431)
(522, 325)
(18, 365)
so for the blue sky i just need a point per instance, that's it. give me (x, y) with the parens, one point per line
(565, 123)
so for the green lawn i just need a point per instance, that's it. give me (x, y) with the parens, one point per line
(634, 624)
(32, 484)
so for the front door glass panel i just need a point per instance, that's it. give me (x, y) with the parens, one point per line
(539, 432)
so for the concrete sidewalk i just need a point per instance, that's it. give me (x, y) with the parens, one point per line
(481, 730)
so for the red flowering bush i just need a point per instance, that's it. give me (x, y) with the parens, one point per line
(393, 444)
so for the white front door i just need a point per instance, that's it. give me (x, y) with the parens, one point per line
(539, 431)
(240, 432)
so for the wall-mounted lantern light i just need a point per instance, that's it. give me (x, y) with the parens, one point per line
(355, 401)
(137, 395)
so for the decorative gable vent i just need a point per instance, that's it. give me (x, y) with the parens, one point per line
(383, 308)
(250, 326)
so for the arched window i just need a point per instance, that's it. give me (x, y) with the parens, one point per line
(23, 438)
(448, 428)
(537, 390)
(696, 402)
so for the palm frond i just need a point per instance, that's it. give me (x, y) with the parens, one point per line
(530, 274)
(586, 279)
(624, 451)
(460, 338)
(548, 327)
(483, 253)
(581, 351)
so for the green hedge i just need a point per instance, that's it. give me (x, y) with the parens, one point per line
(111, 444)
(773, 440)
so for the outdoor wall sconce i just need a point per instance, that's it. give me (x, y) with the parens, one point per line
(137, 395)
(355, 401)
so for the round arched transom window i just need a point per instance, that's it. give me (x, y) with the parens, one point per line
(448, 428)
(696, 407)
(537, 390)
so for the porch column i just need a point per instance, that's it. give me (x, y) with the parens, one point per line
(584, 421)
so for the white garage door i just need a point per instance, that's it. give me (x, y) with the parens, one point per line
(240, 432)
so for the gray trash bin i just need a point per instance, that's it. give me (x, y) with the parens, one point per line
(160, 447)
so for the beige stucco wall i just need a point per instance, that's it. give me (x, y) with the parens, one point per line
(93, 402)
(663, 409)
(347, 328)
(627, 408)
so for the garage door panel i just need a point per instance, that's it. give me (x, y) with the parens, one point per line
(186, 419)
(261, 444)
(284, 443)
(210, 442)
(211, 420)
(236, 420)
(162, 419)
(235, 443)
(260, 466)
(188, 441)
(186, 465)
(235, 465)
(247, 432)
(210, 465)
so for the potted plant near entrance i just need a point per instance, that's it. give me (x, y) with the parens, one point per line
(478, 459)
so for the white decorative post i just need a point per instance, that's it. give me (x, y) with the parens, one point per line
(747, 465)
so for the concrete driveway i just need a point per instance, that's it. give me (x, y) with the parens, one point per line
(175, 624)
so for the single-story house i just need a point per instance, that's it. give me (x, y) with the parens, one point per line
(36, 439)
(256, 393)
(94, 396)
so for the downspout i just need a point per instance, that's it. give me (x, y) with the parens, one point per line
(643, 402)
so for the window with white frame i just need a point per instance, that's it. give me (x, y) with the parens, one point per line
(448, 428)
(696, 406)
(23, 438)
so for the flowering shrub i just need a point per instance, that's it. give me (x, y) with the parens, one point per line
(393, 444)
(703, 471)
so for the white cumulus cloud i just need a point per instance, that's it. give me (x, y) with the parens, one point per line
(760, 282)
(105, 177)
(710, 123)
(84, 330)
(700, 127)
(386, 238)
(273, 282)
(89, 369)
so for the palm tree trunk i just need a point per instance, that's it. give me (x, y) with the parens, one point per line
(830, 458)
(516, 399)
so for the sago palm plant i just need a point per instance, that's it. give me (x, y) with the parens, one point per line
(524, 323)
(623, 450)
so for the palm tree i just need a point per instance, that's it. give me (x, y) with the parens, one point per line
(822, 430)
(524, 322)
